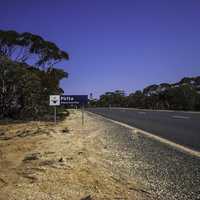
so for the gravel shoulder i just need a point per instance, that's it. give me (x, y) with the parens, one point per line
(99, 161)
(168, 173)
(39, 160)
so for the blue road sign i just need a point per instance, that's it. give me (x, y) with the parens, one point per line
(74, 99)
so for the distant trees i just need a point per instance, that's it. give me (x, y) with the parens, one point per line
(116, 98)
(27, 74)
(136, 99)
(184, 95)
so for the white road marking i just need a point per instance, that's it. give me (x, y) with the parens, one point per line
(180, 117)
(155, 137)
(142, 113)
(180, 111)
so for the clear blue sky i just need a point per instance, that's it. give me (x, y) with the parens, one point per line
(114, 44)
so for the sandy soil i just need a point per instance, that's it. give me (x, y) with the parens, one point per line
(39, 160)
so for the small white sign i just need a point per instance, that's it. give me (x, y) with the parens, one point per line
(54, 100)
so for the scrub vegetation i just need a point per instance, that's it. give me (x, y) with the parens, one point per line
(66, 161)
(184, 95)
(28, 74)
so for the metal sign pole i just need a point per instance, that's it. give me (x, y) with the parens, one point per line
(55, 114)
(82, 115)
(54, 100)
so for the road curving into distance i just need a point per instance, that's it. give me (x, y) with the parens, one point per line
(180, 127)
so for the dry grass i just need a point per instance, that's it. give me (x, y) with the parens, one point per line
(66, 161)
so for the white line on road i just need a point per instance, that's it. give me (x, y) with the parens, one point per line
(138, 109)
(153, 136)
(180, 117)
(142, 113)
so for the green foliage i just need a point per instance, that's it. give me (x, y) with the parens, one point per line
(184, 95)
(23, 47)
(25, 88)
(182, 98)
(112, 98)
(136, 99)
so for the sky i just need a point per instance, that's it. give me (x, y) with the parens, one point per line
(114, 44)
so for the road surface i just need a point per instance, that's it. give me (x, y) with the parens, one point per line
(180, 127)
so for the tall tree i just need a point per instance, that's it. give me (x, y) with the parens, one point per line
(27, 47)
(25, 87)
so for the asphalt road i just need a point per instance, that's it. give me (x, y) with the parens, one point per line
(180, 127)
(165, 173)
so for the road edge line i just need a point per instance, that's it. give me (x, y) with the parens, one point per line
(152, 136)
(170, 111)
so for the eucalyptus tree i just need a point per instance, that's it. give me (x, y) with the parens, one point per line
(28, 73)
(30, 48)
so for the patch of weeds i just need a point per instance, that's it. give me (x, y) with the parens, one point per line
(49, 152)
(65, 130)
(47, 163)
(2, 133)
(6, 138)
(87, 198)
(33, 156)
(29, 176)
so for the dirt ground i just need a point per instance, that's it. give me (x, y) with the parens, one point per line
(39, 160)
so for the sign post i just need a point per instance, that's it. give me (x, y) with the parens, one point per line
(54, 100)
(57, 100)
(55, 114)
(82, 115)
(77, 100)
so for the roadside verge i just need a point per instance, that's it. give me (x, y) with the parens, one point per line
(153, 136)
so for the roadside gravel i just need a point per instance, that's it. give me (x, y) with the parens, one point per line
(98, 161)
(167, 173)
